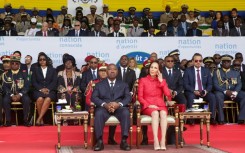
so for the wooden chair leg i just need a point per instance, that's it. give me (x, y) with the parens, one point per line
(177, 137)
(35, 114)
(131, 136)
(52, 105)
(92, 136)
(138, 137)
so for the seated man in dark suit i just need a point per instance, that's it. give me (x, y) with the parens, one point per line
(150, 33)
(7, 30)
(163, 31)
(150, 22)
(116, 32)
(237, 66)
(220, 30)
(97, 31)
(175, 82)
(51, 27)
(227, 86)
(15, 87)
(194, 31)
(237, 30)
(77, 31)
(239, 57)
(44, 31)
(198, 83)
(111, 96)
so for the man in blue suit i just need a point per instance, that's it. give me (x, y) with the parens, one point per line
(176, 30)
(111, 96)
(198, 83)
(77, 31)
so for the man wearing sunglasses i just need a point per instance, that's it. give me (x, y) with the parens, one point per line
(239, 57)
(77, 31)
(15, 87)
(227, 86)
(237, 66)
(198, 84)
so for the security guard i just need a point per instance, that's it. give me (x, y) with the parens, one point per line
(91, 17)
(105, 15)
(60, 18)
(8, 11)
(175, 54)
(35, 14)
(207, 61)
(15, 87)
(18, 16)
(146, 11)
(132, 16)
(120, 16)
(227, 86)
(22, 26)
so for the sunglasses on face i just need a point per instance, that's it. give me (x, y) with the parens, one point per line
(15, 63)
(170, 61)
(77, 25)
(238, 65)
(42, 59)
(196, 61)
(93, 62)
(217, 58)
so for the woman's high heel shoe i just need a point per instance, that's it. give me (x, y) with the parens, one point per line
(156, 147)
(163, 148)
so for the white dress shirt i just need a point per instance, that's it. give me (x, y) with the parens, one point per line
(44, 70)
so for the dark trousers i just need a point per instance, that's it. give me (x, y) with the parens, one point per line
(180, 99)
(25, 100)
(1, 108)
(102, 115)
(220, 97)
(210, 98)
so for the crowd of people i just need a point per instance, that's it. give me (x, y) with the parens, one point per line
(170, 23)
(111, 88)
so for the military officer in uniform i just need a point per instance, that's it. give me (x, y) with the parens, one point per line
(15, 87)
(132, 16)
(91, 17)
(175, 54)
(207, 61)
(120, 16)
(61, 17)
(35, 14)
(146, 11)
(24, 24)
(8, 11)
(105, 15)
(167, 16)
(18, 16)
(227, 86)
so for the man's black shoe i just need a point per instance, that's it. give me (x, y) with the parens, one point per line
(111, 141)
(240, 121)
(144, 141)
(99, 146)
(213, 122)
(221, 122)
(1, 123)
(8, 124)
(27, 124)
(124, 146)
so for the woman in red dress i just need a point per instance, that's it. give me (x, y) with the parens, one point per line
(151, 92)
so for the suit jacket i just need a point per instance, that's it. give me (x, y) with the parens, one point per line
(175, 82)
(187, 26)
(130, 77)
(131, 32)
(233, 77)
(145, 34)
(243, 80)
(81, 33)
(101, 34)
(180, 31)
(40, 33)
(9, 77)
(23, 67)
(12, 33)
(112, 34)
(87, 76)
(190, 32)
(189, 79)
(103, 94)
(216, 32)
(39, 82)
(160, 34)
(234, 32)
(146, 25)
(55, 31)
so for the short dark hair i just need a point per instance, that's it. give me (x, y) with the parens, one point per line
(17, 52)
(29, 56)
(196, 54)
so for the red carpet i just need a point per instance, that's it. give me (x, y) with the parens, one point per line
(230, 138)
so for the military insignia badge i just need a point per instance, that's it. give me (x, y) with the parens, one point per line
(233, 80)
(9, 79)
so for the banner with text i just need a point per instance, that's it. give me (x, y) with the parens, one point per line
(110, 49)
(85, 4)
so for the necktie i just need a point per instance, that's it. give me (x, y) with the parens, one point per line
(124, 73)
(76, 34)
(111, 90)
(111, 86)
(7, 33)
(94, 76)
(45, 34)
(116, 34)
(199, 82)
(239, 32)
(169, 73)
(194, 32)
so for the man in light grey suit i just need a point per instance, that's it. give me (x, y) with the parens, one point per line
(135, 31)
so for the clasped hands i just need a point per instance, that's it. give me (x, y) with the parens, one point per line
(231, 94)
(111, 106)
(45, 91)
(16, 98)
